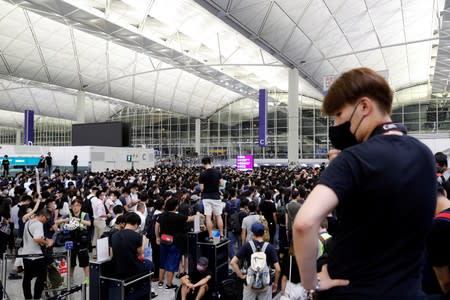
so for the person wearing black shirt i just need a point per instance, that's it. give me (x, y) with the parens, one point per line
(5, 165)
(74, 164)
(128, 249)
(269, 211)
(196, 283)
(170, 224)
(48, 163)
(383, 196)
(210, 179)
(438, 243)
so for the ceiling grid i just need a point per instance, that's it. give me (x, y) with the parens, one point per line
(196, 56)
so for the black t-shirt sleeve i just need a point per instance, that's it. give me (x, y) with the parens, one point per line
(438, 244)
(341, 175)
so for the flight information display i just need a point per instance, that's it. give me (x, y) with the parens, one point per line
(244, 162)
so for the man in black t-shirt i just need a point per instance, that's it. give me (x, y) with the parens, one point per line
(438, 243)
(48, 163)
(196, 283)
(128, 249)
(210, 179)
(383, 196)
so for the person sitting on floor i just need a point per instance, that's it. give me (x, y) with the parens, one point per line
(195, 285)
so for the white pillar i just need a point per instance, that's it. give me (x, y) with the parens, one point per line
(18, 137)
(293, 118)
(80, 108)
(197, 136)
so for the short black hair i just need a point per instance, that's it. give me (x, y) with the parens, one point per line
(206, 160)
(171, 204)
(132, 218)
(252, 206)
(441, 159)
(118, 209)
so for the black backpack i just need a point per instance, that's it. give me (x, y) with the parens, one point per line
(149, 228)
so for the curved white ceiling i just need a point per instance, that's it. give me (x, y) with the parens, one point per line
(177, 56)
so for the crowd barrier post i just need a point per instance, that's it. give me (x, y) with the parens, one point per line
(4, 263)
(68, 246)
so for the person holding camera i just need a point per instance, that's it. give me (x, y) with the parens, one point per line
(77, 223)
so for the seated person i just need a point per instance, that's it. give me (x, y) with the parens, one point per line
(195, 285)
(127, 247)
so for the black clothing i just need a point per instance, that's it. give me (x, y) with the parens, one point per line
(124, 244)
(173, 224)
(74, 164)
(34, 268)
(268, 208)
(438, 243)
(5, 164)
(195, 276)
(295, 273)
(210, 178)
(41, 163)
(48, 161)
(387, 198)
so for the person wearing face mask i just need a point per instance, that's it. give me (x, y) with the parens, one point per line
(195, 284)
(382, 187)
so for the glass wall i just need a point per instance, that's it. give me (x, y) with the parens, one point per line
(234, 129)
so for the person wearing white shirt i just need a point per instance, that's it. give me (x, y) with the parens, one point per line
(100, 215)
(141, 212)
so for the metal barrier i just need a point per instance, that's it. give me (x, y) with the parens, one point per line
(104, 287)
(68, 290)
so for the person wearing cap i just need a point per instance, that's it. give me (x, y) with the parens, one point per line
(383, 196)
(195, 284)
(33, 240)
(245, 253)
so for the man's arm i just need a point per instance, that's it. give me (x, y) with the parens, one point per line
(203, 281)
(158, 238)
(443, 276)
(243, 235)
(277, 276)
(305, 232)
(235, 267)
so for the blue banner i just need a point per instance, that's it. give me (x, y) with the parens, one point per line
(28, 127)
(262, 142)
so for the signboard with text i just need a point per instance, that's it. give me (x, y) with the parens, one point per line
(244, 162)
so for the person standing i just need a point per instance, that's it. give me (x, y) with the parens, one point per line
(74, 164)
(48, 163)
(5, 165)
(33, 241)
(41, 164)
(210, 179)
(384, 212)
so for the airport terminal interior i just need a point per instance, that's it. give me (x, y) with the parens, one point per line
(141, 90)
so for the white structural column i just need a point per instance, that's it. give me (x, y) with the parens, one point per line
(80, 108)
(293, 118)
(18, 137)
(197, 136)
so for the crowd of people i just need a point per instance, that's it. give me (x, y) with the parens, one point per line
(373, 224)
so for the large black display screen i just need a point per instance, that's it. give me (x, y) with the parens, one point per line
(111, 134)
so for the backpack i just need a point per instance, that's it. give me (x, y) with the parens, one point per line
(258, 274)
(266, 235)
(235, 223)
(149, 229)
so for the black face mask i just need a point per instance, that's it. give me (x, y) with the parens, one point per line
(341, 136)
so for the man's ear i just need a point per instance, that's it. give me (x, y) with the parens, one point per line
(367, 105)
